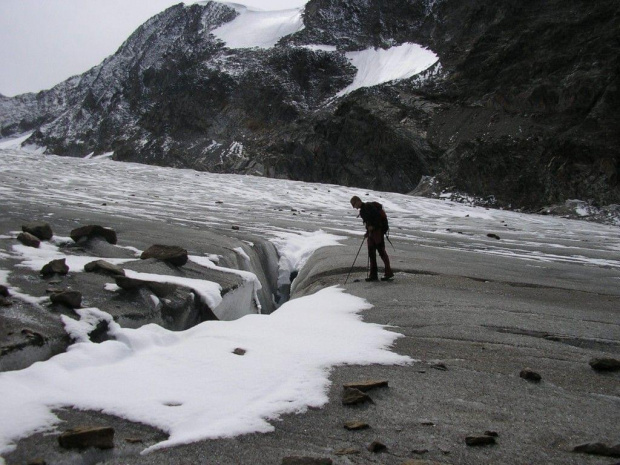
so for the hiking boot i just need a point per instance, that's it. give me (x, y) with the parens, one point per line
(388, 277)
(372, 278)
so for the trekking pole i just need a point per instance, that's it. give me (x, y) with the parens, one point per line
(358, 252)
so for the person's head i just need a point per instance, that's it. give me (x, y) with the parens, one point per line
(356, 202)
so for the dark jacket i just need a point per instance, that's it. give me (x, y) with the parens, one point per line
(373, 215)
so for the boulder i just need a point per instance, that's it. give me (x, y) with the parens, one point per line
(90, 231)
(168, 253)
(83, 437)
(101, 266)
(55, 267)
(29, 240)
(71, 299)
(39, 229)
(605, 364)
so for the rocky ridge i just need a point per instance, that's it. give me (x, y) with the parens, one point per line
(521, 109)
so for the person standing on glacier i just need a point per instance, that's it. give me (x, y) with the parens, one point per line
(377, 226)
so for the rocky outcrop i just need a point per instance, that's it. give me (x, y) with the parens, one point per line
(520, 111)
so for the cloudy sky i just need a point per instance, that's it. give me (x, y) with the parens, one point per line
(43, 42)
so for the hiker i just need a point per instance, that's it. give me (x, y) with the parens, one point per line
(376, 224)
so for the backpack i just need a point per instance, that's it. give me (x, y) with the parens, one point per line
(385, 225)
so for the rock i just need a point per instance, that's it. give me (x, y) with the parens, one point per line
(605, 364)
(530, 375)
(376, 447)
(493, 434)
(493, 236)
(39, 229)
(55, 267)
(71, 299)
(352, 396)
(101, 266)
(306, 461)
(439, 366)
(235, 228)
(420, 462)
(419, 451)
(598, 448)
(33, 337)
(37, 462)
(4, 291)
(168, 253)
(91, 231)
(134, 440)
(159, 289)
(356, 425)
(83, 437)
(347, 451)
(5, 302)
(239, 351)
(29, 240)
(475, 441)
(129, 283)
(365, 386)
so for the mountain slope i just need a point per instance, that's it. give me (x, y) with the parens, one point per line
(521, 103)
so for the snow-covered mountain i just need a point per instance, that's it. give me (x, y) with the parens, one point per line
(510, 103)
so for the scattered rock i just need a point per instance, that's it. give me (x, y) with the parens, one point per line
(376, 447)
(365, 386)
(347, 451)
(39, 229)
(239, 351)
(55, 267)
(605, 364)
(134, 440)
(356, 425)
(493, 236)
(479, 440)
(427, 423)
(306, 461)
(4, 291)
(33, 337)
(352, 396)
(598, 448)
(439, 366)
(83, 437)
(71, 299)
(419, 451)
(530, 375)
(420, 462)
(91, 231)
(128, 283)
(236, 228)
(168, 253)
(29, 240)
(493, 434)
(101, 266)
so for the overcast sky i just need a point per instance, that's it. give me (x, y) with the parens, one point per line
(44, 42)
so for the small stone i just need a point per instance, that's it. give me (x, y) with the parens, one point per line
(71, 299)
(493, 434)
(493, 236)
(40, 229)
(4, 291)
(347, 451)
(419, 451)
(352, 396)
(598, 448)
(55, 267)
(92, 231)
(530, 375)
(439, 366)
(83, 437)
(168, 253)
(28, 240)
(365, 386)
(101, 266)
(376, 447)
(479, 440)
(427, 423)
(239, 351)
(306, 461)
(134, 440)
(356, 425)
(236, 228)
(605, 364)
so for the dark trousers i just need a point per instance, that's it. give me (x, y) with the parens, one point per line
(377, 244)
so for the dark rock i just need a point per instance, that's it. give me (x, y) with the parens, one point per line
(235, 228)
(71, 299)
(356, 425)
(239, 351)
(129, 283)
(439, 366)
(493, 434)
(377, 446)
(171, 254)
(475, 441)
(530, 375)
(55, 267)
(419, 451)
(366, 386)
(598, 448)
(84, 437)
(33, 337)
(28, 240)
(4, 291)
(605, 364)
(493, 236)
(421, 462)
(134, 440)
(352, 396)
(101, 266)
(91, 231)
(39, 229)
(306, 461)
(5, 302)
